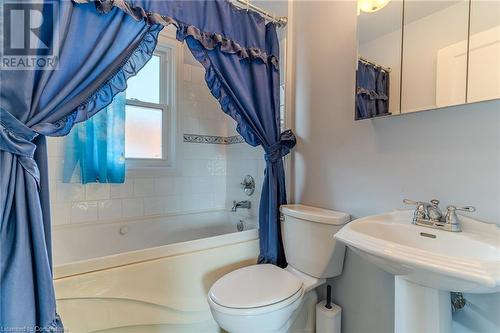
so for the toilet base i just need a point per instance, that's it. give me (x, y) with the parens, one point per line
(305, 322)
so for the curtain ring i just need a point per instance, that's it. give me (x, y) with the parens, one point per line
(247, 2)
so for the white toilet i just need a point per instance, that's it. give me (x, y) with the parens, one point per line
(266, 298)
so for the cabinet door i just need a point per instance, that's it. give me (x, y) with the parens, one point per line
(379, 55)
(484, 51)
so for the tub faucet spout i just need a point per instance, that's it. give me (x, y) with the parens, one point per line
(241, 204)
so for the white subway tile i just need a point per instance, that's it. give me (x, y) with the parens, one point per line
(55, 146)
(282, 94)
(192, 202)
(191, 108)
(69, 192)
(60, 213)
(144, 187)
(96, 191)
(154, 206)
(219, 184)
(190, 125)
(184, 185)
(204, 201)
(217, 166)
(218, 200)
(173, 204)
(110, 209)
(242, 167)
(186, 72)
(191, 92)
(133, 207)
(84, 211)
(165, 186)
(200, 185)
(197, 75)
(125, 190)
(196, 167)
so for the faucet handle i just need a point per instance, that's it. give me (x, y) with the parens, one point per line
(469, 209)
(411, 202)
(452, 218)
(420, 210)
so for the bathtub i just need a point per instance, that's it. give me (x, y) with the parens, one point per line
(149, 275)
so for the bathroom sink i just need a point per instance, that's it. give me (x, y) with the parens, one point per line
(427, 264)
(467, 261)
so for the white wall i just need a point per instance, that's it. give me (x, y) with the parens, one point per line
(368, 167)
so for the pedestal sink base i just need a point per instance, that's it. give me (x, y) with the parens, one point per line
(420, 309)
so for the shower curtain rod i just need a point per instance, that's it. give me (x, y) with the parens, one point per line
(280, 21)
(374, 64)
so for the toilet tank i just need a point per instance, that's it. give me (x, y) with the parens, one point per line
(308, 239)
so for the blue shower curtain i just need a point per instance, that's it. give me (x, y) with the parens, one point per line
(96, 53)
(240, 53)
(97, 147)
(98, 50)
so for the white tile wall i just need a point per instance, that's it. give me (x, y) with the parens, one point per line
(206, 176)
(242, 160)
(110, 209)
(133, 207)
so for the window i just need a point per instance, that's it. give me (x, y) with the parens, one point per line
(148, 129)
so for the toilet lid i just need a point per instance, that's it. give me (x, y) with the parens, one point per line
(254, 286)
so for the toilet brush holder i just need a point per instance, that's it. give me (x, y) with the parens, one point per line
(328, 315)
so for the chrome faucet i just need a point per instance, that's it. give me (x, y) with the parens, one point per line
(430, 215)
(241, 204)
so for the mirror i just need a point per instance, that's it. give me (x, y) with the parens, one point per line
(484, 54)
(434, 55)
(379, 62)
(417, 55)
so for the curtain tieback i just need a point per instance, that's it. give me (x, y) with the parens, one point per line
(17, 138)
(281, 148)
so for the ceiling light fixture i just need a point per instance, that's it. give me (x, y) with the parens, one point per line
(370, 6)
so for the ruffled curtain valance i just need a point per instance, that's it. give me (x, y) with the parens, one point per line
(210, 31)
(206, 26)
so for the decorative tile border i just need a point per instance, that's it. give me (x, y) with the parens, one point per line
(213, 139)
(230, 140)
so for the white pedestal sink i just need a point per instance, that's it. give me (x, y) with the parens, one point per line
(427, 264)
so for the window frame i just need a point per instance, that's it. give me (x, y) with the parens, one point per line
(166, 50)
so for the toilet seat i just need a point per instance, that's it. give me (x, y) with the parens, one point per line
(255, 289)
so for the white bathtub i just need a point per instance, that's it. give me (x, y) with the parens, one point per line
(147, 276)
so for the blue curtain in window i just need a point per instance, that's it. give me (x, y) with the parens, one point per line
(96, 54)
(97, 147)
(240, 54)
